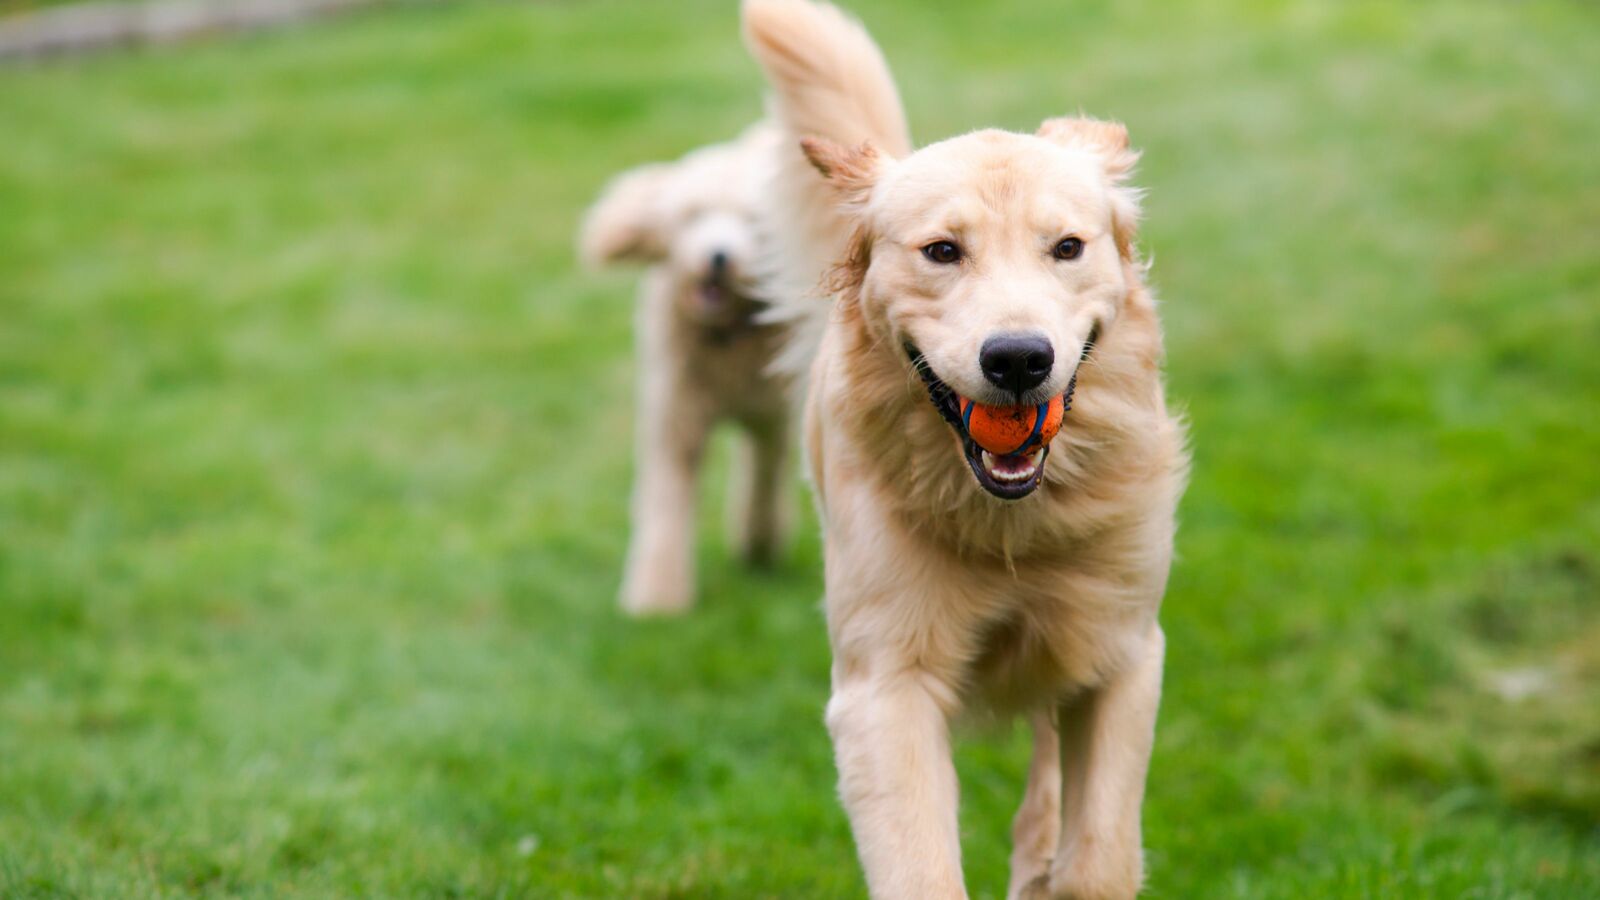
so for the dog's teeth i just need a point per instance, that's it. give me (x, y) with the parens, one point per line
(991, 464)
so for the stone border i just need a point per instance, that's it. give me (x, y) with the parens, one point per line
(86, 27)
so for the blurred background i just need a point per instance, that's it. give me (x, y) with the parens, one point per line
(314, 457)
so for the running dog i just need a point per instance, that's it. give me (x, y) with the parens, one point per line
(703, 356)
(993, 271)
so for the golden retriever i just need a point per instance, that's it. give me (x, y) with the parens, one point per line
(702, 355)
(1001, 268)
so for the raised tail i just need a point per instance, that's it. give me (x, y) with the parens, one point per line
(829, 80)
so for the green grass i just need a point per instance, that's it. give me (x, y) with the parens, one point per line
(313, 459)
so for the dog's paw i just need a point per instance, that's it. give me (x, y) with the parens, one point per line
(1102, 879)
(648, 604)
(1036, 889)
(760, 552)
(655, 598)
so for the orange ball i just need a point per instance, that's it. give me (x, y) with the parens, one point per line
(1004, 430)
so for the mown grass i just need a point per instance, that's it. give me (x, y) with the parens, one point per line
(313, 459)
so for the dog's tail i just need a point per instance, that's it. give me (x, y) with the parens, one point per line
(829, 80)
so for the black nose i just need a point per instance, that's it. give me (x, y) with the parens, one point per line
(719, 263)
(1017, 362)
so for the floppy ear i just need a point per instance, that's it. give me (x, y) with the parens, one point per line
(850, 171)
(625, 223)
(1108, 142)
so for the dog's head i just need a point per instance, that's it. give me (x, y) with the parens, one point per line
(993, 261)
(694, 217)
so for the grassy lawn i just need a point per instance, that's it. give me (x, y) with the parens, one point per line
(313, 459)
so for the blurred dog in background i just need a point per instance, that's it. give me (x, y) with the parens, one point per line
(993, 272)
(703, 356)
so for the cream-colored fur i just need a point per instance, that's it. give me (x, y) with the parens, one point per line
(702, 355)
(940, 597)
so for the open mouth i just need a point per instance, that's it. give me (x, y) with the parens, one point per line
(714, 293)
(1009, 476)
(720, 301)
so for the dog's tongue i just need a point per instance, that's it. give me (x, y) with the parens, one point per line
(1010, 464)
(712, 293)
(1012, 467)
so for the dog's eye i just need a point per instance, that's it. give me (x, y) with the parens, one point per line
(942, 252)
(1068, 248)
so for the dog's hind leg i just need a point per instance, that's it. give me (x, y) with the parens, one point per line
(1106, 737)
(1035, 830)
(758, 508)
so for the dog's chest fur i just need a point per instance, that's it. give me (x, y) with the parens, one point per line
(727, 364)
(1045, 634)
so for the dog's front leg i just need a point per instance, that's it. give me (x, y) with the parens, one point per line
(891, 739)
(673, 423)
(1106, 737)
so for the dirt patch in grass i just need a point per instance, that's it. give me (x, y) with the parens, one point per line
(1492, 699)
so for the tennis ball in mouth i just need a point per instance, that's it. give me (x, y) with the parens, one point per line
(1006, 430)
